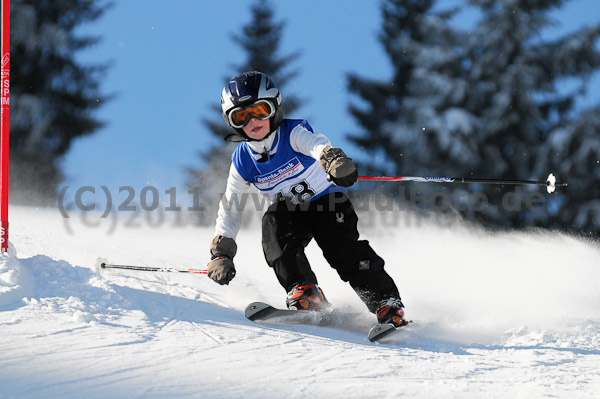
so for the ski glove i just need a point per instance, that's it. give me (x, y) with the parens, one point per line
(339, 168)
(221, 268)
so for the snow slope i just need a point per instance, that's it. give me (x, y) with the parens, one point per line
(496, 315)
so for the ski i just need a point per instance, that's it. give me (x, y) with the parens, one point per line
(380, 331)
(263, 312)
(260, 311)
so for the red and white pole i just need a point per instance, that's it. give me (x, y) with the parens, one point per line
(4, 140)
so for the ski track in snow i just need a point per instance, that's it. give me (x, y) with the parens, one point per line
(508, 315)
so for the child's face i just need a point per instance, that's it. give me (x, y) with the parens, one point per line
(257, 129)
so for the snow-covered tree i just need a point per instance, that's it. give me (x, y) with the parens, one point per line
(514, 91)
(260, 39)
(414, 123)
(484, 105)
(52, 95)
(573, 152)
(425, 53)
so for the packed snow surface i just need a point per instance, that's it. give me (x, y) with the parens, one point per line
(495, 315)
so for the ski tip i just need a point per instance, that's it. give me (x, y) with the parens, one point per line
(381, 331)
(256, 310)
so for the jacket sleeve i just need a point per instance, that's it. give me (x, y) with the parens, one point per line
(307, 142)
(229, 216)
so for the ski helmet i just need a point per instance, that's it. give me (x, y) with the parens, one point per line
(246, 89)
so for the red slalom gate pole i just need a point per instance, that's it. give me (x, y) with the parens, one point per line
(5, 138)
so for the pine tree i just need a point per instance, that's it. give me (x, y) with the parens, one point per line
(260, 39)
(52, 95)
(419, 108)
(573, 152)
(514, 92)
(482, 103)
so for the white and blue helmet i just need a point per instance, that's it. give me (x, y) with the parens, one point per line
(248, 88)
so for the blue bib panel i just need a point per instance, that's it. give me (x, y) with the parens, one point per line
(287, 173)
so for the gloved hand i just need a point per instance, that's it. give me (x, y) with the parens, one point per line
(339, 168)
(221, 268)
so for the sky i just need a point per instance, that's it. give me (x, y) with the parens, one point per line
(168, 66)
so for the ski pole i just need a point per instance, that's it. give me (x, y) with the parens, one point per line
(550, 183)
(152, 269)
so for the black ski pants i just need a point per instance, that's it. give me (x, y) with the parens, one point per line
(332, 222)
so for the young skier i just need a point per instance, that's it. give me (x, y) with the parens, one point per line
(304, 178)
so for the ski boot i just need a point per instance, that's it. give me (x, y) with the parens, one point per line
(306, 297)
(391, 311)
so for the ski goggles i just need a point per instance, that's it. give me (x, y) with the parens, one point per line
(261, 110)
